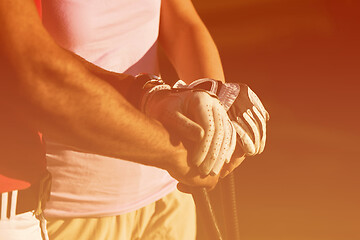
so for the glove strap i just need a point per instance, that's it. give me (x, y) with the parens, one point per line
(226, 92)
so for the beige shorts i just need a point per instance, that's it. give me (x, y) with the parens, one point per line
(170, 218)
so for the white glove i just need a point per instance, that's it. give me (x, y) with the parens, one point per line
(244, 109)
(249, 117)
(198, 116)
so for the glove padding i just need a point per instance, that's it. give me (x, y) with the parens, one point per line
(197, 116)
(249, 118)
(245, 110)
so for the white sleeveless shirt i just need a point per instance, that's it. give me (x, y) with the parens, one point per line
(120, 36)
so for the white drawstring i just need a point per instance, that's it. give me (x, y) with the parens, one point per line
(4, 204)
(4, 201)
(43, 227)
(13, 203)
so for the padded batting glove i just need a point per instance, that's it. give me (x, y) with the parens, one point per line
(198, 117)
(244, 108)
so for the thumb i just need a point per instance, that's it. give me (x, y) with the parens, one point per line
(184, 188)
(243, 138)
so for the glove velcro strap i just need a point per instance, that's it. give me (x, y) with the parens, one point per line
(180, 85)
(208, 84)
(226, 92)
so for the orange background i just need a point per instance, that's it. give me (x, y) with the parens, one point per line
(303, 59)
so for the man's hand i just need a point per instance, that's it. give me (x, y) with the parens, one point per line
(237, 158)
(200, 121)
(188, 175)
(249, 117)
(244, 109)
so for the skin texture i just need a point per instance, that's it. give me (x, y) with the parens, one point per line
(57, 94)
(182, 34)
(57, 91)
(187, 42)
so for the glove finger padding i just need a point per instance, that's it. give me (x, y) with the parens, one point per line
(257, 103)
(206, 110)
(260, 119)
(227, 147)
(254, 126)
(251, 116)
(244, 108)
(198, 114)
(244, 139)
(203, 114)
(219, 139)
(232, 141)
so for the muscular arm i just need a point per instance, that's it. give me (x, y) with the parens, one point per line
(121, 82)
(187, 42)
(64, 100)
(59, 96)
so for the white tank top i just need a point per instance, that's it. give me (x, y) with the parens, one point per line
(121, 36)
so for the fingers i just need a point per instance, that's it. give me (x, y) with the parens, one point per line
(263, 140)
(191, 180)
(227, 147)
(203, 115)
(250, 119)
(184, 188)
(244, 138)
(195, 180)
(262, 115)
(258, 104)
(202, 123)
(190, 190)
(250, 115)
(254, 127)
(228, 168)
(237, 158)
(260, 119)
(217, 140)
(232, 143)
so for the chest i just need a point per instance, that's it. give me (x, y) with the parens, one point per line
(81, 22)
